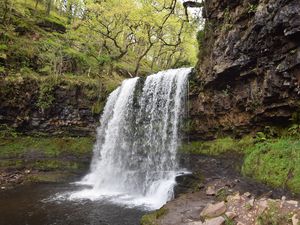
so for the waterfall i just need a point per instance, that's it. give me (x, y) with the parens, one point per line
(134, 159)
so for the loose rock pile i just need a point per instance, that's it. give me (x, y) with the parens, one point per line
(247, 210)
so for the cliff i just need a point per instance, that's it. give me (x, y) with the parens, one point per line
(248, 74)
(61, 106)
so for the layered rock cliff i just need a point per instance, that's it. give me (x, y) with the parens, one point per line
(53, 107)
(248, 74)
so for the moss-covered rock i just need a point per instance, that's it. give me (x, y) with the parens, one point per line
(45, 153)
(273, 161)
(151, 218)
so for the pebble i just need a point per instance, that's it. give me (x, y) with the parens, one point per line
(211, 190)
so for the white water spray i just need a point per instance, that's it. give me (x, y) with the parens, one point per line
(134, 158)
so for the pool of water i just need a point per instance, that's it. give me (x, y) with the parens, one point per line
(34, 205)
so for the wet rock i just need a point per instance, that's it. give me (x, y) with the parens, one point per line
(214, 210)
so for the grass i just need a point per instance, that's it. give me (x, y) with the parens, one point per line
(48, 146)
(218, 146)
(272, 216)
(273, 161)
(45, 153)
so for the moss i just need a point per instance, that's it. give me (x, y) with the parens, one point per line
(275, 162)
(218, 146)
(48, 177)
(98, 107)
(151, 218)
(53, 164)
(47, 146)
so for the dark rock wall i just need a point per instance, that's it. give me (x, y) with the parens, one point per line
(248, 74)
(74, 110)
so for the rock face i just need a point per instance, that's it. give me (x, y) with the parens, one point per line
(248, 74)
(61, 109)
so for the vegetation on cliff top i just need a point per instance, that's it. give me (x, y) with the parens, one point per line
(94, 37)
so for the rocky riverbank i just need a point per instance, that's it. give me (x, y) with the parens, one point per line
(220, 195)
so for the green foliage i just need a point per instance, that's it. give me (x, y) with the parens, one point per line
(267, 158)
(91, 37)
(260, 137)
(46, 97)
(98, 107)
(252, 8)
(275, 162)
(50, 147)
(229, 221)
(218, 146)
(222, 194)
(7, 131)
(200, 37)
(294, 129)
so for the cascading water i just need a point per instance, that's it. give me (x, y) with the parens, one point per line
(134, 158)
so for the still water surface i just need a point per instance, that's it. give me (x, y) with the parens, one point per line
(31, 205)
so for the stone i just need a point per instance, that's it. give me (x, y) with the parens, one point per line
(215, 221)
(194, 223)
(247, 194)
(235, 197)
(210, 190)
(214, 210)
(240, 223)
(230, 215)
(251, 202)
(262, 206)
(292, 202)
(295, 220)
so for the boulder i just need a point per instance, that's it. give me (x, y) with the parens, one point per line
(215, 221)
(214, 210)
